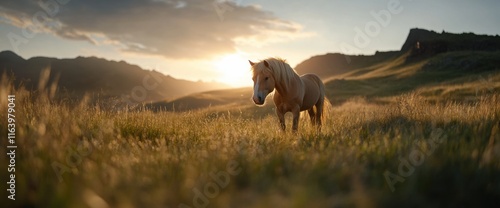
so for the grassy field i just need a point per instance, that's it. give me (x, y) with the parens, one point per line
(406, 153)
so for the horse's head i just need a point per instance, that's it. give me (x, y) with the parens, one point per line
(263, 81)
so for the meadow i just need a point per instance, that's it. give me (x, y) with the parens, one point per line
(404, 153)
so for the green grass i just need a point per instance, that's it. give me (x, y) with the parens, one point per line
(147, 159)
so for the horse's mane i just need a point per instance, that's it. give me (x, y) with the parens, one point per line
(281, 70)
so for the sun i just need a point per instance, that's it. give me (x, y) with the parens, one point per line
(234, 70)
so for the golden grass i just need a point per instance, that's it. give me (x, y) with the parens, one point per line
(146, 159)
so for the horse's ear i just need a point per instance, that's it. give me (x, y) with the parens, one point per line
(266, 64)
(251, 63)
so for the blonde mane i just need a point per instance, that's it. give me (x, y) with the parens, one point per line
(282, 71)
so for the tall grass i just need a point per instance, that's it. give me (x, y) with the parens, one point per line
(84, 156)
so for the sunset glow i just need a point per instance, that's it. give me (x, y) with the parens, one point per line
(234, 70)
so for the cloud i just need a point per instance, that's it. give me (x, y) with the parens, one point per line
(188, 29)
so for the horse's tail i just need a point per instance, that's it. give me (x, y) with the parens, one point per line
(327, 106)
(327, 109)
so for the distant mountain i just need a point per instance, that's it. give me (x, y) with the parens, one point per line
(419, 44)
(9, 57)
(99, 77)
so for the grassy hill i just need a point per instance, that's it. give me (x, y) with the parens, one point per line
(419, 45)
(333, 64)
(99, 78)
(448, 76)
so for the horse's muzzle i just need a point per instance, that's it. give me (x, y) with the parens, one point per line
(258, 100)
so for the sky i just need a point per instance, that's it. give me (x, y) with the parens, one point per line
(212, 40)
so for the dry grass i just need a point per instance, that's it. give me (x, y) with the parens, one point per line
(146, 159)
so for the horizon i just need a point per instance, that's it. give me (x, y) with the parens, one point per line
(217, 48)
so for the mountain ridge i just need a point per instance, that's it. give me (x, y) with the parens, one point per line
(420, 43)
(109, 79)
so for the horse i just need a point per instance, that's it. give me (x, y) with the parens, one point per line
(294, 93)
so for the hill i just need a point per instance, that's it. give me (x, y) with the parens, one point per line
(98, 77)
(420, 43)
(332, 64)
(439, 66)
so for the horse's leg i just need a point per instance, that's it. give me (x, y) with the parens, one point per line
(296, 116)
(312, 116)
(281, 118)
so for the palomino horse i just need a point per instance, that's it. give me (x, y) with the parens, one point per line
(293, 93)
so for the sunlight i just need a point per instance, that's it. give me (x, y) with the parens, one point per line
(234, 70)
